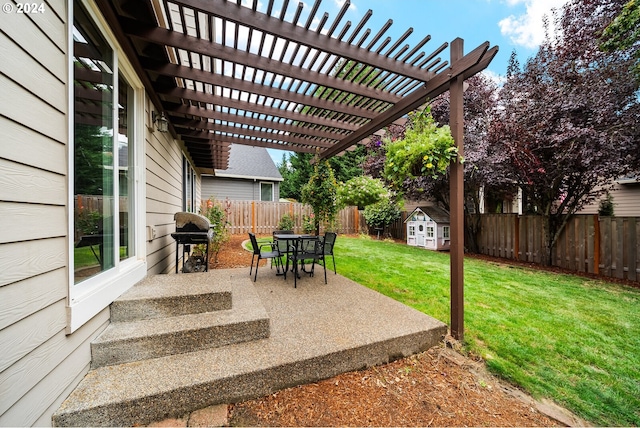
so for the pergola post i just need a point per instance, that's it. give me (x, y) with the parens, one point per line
(456, 196)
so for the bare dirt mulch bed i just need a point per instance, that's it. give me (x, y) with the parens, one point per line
(439, 387)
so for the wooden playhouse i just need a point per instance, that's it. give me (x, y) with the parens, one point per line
(429, 227)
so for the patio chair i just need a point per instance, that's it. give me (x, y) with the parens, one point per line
(304, 249)
(328, 242)
(257, 251)
(282, 244)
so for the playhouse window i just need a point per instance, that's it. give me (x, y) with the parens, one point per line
(429, 232)
(446, 231)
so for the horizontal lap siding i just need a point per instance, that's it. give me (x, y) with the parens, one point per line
(234, 189)
(163, 198)
(40, 363)
(626, 201)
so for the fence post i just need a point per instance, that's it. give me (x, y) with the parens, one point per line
(516, 238)
(596, 244)
(356, 215)
(253, 216)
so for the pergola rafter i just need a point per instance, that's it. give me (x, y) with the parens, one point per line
(223, 72)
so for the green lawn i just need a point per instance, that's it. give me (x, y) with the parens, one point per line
(571, 339)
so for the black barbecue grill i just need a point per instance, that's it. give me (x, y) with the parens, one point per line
(191, 229)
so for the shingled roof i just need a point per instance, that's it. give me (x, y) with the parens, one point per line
(249, 162)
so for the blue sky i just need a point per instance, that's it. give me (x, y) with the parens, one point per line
(510, 24)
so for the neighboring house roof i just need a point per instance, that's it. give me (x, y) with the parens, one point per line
(248, 162)
(436, 214)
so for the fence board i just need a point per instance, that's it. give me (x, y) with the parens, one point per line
(634, 253)
(263, 217)
(607, 246)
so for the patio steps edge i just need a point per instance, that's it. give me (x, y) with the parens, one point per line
(161, 391)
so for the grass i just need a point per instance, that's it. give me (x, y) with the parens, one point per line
(84, 257)
(572, 339)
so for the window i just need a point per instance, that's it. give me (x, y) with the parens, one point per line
(103, 167)
(105, 194)
(430, 232)
(446, 232)
(412, 230)
(189, 187)
(266, 191)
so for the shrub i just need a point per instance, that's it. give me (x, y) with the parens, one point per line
(361, 191)
(287, 222)
(382, 214)
(308, 223)
(605, 207)
(218, 215)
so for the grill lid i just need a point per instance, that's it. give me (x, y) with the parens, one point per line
(191, 222)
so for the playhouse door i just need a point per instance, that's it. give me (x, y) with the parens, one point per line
(420, 235)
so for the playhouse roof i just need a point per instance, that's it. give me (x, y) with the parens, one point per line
(435, 213)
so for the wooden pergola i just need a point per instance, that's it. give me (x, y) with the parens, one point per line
(224, 74)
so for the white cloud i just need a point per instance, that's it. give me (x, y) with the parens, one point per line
(339, 3)
(498, 79)
(528, 29)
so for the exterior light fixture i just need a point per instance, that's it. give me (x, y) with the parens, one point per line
(162, 124)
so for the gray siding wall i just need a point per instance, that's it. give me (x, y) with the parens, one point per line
(626, 200)
(235, 189)
(39, 363)
(164, 171)
(164, 198)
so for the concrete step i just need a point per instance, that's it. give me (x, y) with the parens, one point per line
(163, 296)
(317, 331)
(124, 342)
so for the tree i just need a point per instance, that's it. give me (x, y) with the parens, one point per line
(296, 170)
(321, 193)
(623, 33)
(482, 161)
(568, 120)
(382, 213)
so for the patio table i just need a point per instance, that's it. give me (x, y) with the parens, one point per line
(292, 240)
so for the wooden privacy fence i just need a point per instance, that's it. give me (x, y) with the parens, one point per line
(607, 246)
(262, 218)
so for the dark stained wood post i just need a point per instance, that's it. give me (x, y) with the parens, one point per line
(456, 193)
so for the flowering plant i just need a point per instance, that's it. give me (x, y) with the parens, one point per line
(425, 150)
(361, 191)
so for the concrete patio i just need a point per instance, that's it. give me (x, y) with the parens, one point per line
(314, 332)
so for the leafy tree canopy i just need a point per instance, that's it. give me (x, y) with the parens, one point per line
(296, 170)
(568, 120)
(361, 191)
(623, 34)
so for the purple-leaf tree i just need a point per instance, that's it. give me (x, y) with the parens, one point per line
(568, 120)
